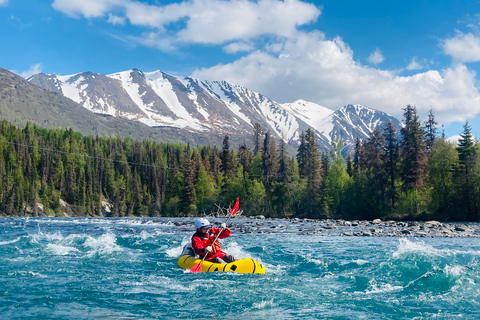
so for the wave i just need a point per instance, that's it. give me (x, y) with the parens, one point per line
(407, 247)
(60, 250)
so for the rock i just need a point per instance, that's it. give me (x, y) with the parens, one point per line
(461, 227)
(446, 231)
(432, 223)
(376, 221)
(421, 234)
(329, 227)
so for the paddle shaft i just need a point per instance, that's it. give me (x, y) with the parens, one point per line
(198, 267)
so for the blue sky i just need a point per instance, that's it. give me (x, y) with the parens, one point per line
(383, 54)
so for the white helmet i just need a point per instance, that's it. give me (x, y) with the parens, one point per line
(202, 222)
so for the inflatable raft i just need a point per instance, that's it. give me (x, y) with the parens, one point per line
(187, 261)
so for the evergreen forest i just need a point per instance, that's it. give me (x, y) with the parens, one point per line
(408, 173)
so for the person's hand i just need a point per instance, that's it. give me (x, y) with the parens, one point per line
(224, 226)
(208, 249)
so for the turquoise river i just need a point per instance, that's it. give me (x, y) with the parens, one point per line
(92, 268)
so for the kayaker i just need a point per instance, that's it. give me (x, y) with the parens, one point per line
(203, 242)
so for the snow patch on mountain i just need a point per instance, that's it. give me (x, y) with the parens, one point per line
(70, 89)
(313, 114)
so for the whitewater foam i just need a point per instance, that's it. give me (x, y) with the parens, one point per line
(105, 244)
(383, 288)
(59, 250)
(455, 271)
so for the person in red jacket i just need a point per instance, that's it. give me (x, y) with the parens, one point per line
(203, 242)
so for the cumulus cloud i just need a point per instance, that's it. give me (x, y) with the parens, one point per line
(376, 57)
(205, 21)
(324, 71)
(464, 47)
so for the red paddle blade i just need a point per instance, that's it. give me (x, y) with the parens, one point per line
(197, 268)
(235, 207)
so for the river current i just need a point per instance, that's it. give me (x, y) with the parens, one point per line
(92, 268)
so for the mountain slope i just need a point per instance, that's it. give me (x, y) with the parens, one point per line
(210, 108)
(21, 101)
(353, 121)
(158, 99)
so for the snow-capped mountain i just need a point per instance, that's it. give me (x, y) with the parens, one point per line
(158, 99)
(350, 122)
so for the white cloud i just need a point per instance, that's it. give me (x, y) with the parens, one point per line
(464, 47)
(3, 3)
(215, 21)
(414, 65)
(376, 57)
(454, 139)
(34, 69)
(324, 71)
(237, 47)
(154, 40)
(115, 20)
(205, 21)
(86, 8)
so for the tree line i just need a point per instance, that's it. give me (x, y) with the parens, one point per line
(396, 173)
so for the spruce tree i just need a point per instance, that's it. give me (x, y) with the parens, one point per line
(302, 155)
(284, 172)
(269, 160)
(245, 157)
(188, 197)
(391, 159)
(313, 170)
(413, 151)
(431, 131)
(374, 164)
(313, 174)
(257, 138)
(358, 154)
(414, 156)
(227, 166)
(349, 164)
(468, 189)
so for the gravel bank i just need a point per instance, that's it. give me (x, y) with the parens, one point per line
(355, 228)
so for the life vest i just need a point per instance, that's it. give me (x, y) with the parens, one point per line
(208, 242)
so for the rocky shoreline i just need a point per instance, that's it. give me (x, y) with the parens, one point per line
(355, 228)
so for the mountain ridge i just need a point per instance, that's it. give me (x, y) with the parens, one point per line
(22, 102)
(212, 108)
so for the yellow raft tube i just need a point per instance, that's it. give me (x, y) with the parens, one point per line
(187, 261)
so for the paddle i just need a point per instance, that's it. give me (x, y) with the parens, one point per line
(198, 267)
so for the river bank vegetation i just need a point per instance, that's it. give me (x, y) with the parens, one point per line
(397, 173)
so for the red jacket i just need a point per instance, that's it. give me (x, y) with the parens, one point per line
(202, 240)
